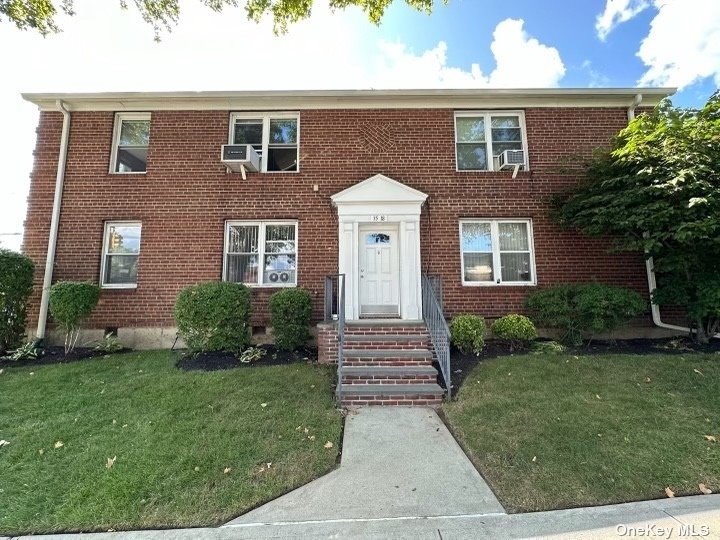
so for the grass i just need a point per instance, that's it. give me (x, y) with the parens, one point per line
(173, 434)
(557, 431)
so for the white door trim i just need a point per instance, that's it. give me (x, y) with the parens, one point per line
(377, 201)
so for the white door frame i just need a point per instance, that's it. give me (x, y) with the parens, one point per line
(380, 200)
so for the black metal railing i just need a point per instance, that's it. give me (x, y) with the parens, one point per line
(335, 312)
(437, 326)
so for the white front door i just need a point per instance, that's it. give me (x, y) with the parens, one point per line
(379, 272)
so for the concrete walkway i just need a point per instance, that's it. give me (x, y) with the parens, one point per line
(396, 462)
(403, 476)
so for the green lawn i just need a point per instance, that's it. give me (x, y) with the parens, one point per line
(560, 431)
(172, 434)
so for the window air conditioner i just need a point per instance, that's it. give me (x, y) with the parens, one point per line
(240, 158)
(511, 159)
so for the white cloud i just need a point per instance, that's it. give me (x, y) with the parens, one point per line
(617, 12)
(683, 45)
(521, 62)
(106, 49)
(596, 79)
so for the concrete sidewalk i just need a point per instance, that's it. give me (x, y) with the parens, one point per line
(396, 462)
(665, 518)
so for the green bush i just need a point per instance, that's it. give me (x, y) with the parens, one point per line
(71, 303)
(16, 279)
(581, 311)
(517, 330)
(214, 316)
(291, 314)
(467, 333)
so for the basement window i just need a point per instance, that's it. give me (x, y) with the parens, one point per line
(131, 138)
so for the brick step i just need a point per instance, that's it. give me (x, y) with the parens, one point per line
(387, 357)
(405, 394)
(423, 374)
(390, 328)
(387, 341)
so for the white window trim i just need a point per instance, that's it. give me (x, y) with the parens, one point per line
(488, 136)
(266, 117)
(261, 251)
(119, 118)
(496, 254)
(104, 254)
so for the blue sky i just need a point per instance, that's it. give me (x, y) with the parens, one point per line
(466, 44)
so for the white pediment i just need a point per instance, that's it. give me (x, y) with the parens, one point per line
(379, 189)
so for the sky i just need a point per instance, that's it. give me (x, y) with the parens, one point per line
(464, 44)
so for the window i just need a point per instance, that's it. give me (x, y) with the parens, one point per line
(130, 143)
(497, 252)
(121, 249)
(261, 253)
(482, 136)
(273, 136)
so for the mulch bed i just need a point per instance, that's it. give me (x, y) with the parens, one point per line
(220, 360)
(56, 355)
(462, 364)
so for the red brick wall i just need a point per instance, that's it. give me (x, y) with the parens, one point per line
(186, 196)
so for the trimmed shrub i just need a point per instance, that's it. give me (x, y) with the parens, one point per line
(581, 311)
(467, 333)
(290, 314)
(16, 280)
(214, 316)
(71, 303)
(517, 330)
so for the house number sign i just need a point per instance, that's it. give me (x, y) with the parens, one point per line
(378, 218)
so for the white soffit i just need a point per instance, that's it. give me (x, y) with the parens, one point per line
(350, 99)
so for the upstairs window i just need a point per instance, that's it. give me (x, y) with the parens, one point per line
(261, 253)
(121, 250)
(497, 252)
(480, 137)
(131, 139)
(274, 137)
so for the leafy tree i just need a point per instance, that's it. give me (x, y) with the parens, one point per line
(163, 14)
(658, 191)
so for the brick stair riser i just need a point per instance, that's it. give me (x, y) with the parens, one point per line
(425, 401)
(350, 331)
(387, 362)
(389, 379)
(375, 345)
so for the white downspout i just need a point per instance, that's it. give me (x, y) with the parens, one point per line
(649, 263)
(54, 221)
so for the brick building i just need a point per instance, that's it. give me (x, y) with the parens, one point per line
(381, 186)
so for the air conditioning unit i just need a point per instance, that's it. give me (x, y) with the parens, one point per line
(511, 159)
(240, 158)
